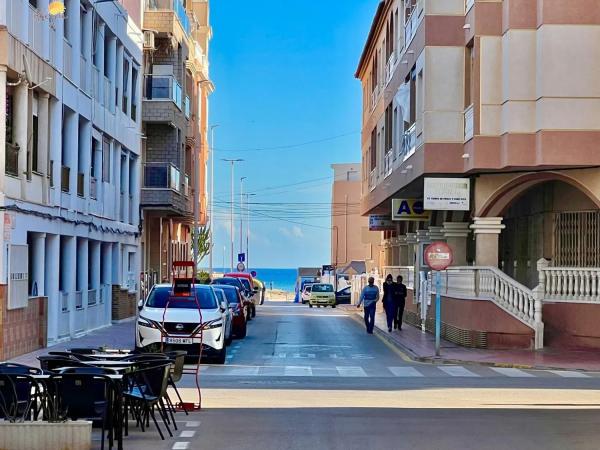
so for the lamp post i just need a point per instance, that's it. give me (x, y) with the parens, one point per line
(248, 229)
(232, 162)
(242, 214)
(212, 196)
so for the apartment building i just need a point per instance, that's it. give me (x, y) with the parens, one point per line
(501, 96)
(174, 114)
(69, 173)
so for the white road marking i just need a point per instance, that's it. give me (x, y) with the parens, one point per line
(250, 371)
(346, 371)
(569, 374)
(457, 371)
(511, 372)
(193, 423)
(405, 372)
(296, 371)
(187, 434)
(181, 445)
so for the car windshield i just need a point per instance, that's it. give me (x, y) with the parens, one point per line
(322, 288)
(230, 293)
(308, 288)
(228, 281)
(246, 283)
(159, 296)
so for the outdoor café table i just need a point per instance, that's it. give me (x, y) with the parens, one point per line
(111, 356)
(118, 365)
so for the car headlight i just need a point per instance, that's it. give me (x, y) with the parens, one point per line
(143, 322)
(218, 323)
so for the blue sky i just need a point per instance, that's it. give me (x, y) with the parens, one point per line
(283, 72)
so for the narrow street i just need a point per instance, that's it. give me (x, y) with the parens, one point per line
(312, 378)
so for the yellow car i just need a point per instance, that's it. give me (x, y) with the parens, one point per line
(322, 295)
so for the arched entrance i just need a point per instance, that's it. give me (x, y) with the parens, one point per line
(546, 218)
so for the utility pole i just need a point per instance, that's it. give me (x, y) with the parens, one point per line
(232, 162)
(242, 214)
(248, 230)
(212, 197)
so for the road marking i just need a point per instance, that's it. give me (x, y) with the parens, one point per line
(192, 423)
(405, 372)
(251, 371)
(457, 371)
(569, 374)
(181, 445)
(511, 372)
(297, 371)
(346, 371)
(187, 434)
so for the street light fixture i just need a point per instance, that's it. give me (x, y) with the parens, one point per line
(212, 196)
(248, 229)
(232, 162)
(242, 214)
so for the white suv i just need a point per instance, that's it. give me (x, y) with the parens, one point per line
(180, 322)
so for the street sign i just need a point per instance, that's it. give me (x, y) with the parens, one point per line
(438, 256)
(381, 222)
(409, 209)
(253, 273)
(241, 267)
(328, 268)
(241, 257)
(446, 194)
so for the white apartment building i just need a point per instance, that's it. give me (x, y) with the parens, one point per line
(70, 174)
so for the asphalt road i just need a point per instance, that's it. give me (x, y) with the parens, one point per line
(313, 379)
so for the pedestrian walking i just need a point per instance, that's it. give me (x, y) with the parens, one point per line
(369, 297)
(400, 301)
(388, 300)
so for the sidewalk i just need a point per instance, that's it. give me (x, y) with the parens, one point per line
(420, 346)
(120, 335)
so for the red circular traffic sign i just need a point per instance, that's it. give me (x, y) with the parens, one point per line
(438, 255)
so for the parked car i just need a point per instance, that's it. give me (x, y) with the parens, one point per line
(238, 312)
(177, 326)
(248, 282)
(227, 314)
(261, 288)
(236, 282)
(322, 294)
(343, 296)
(306, 293)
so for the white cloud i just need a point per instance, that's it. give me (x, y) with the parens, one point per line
(293, 232)
(297, 231)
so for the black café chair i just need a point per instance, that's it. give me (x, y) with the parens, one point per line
(51, 363)
(20, 369)
(144, 391)
(79, 394)
(85, 350)
(178, 358)
(18, 397)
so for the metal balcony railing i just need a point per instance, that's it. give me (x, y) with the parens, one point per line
(35, 30)
(67, 59)
(93, 188)
(162, 176)
(186, 105)
(409, 143)
(469, 120)
(171, 5)
(163, 87)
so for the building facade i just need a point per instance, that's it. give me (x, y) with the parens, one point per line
(175, 114)
(350, 236)
(503, 95)
(70, 170)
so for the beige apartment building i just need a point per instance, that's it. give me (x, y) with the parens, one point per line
(503, 95)
(354, 249)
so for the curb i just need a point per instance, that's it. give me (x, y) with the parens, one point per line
(409, 355)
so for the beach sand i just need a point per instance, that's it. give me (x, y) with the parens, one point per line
(279, 295)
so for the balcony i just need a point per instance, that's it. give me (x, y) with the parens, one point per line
(186, 105)
(468, 5)
(65, 182)
(93, 188)
(12, 160)
(388, 163)
(162, 176)
(162, 188)
(412, 23)
(163, 87)
(409, 143)
(83, 75)
(35, 30)
(161, 15)
(373, 179)
(67, 60)
(390, 67)
(469, 119)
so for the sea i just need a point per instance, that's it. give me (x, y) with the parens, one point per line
(284, 279)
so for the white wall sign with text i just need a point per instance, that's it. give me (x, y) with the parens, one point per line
(447, 194)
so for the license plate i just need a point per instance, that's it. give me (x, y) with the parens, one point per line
(174, 340)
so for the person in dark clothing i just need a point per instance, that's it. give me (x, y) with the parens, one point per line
(388, 300)
(399, 301)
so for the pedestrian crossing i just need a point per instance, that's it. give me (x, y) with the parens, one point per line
(409, 371)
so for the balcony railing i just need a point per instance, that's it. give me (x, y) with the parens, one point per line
(12, 160)
(186, 185)
(468, 5)
(163, 87)
(83, 74)
(408, 144)
(171, 5)
(67, 59)
(372, 179)
(387, 163)
(469, 117)
(92, 297)
(186, 105)
(78, 300)
(390, 67)
(412, 23)
(108, 103)
(93, 188)
(96, 91)
(162, 176)
(35, 30)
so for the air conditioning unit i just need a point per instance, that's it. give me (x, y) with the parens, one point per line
(149, 40)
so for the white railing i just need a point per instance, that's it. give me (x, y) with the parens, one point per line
(388, 163)
(36, 31)
(408, 145)
(412, 23)
(93, 188)
(373, 179)
(96, 92)
(64, 302)
(108, 97)
(569, 284)
(83, 75)
(78, 300)
(390, 67)
(92, 297)
(130, 283)
(67, 60)
(469, 117)
(374, 97)
(52, 46)
(468, 5)
(406, 272)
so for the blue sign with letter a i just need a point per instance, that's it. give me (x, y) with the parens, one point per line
(241, 257)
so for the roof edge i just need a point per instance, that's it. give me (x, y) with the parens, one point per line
(370, 38)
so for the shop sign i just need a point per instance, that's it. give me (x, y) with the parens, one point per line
(381, 222)
(447, 194)
(409, 209)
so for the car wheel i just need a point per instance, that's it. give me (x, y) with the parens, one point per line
(253, 311)
(242, 333)
(248, 314)
(221, 356)
(310, 305)
(333, 306)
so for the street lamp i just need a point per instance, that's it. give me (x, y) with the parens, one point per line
(242, 214)
(212, 196)
(232, 162)
(248, 229)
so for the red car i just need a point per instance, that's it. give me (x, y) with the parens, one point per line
(236, 302)
(248, 283)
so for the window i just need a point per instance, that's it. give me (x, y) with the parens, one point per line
(9, 115)
(125, 84)
(66, 21)
(469, 75)
(388, 129)
(413, 96)
(134, 88)
(373, 149)
(105, 160)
